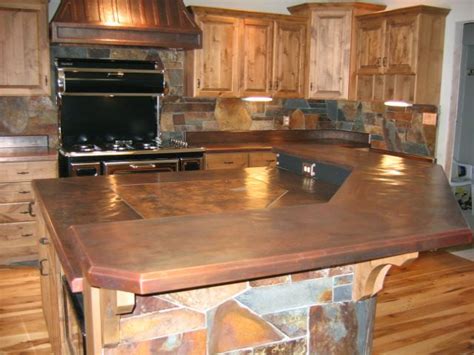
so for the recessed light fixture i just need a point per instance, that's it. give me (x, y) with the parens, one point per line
(394, 103)
(257, 99)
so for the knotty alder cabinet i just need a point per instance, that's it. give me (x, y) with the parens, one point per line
(400, 54)
(17, 218)
(247, 54)
(24, 48)
(240, 160)
(331, 54)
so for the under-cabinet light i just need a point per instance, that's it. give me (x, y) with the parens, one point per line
(257, 99)
(394, 103)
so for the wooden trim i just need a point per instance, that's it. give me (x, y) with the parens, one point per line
(92, 315)
(369, 276)
(203, 10)
(337, 6)
(422, 9)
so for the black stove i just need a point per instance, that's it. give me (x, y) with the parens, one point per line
(110, 126)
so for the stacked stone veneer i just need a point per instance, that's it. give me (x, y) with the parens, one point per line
(396, 130)
(304, 313)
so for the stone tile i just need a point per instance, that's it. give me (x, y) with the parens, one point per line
(175, 77)
(379, 145)
(349, 109)
(341, 270)
(270, 281)
(205, 298)
(316, 274)
(293, 323)
(258, 125)
(160, 324)
(13, 115)
(69, 51)
(332, 110)
(210, 126)
(273, 299)
(128, 53)
(342, 293)
(238, 352)
(311, 121)
(333, 329)
(232, 115)
(343, 279)
(193, 343)
(416, 149)
(166, 122)
(179, 119)
(292, 104)
(148, 304)
(233, 327)
(294, 347)
(190, 116)
(424, 108)
(346, 126)
(98, 53)
(297, 120)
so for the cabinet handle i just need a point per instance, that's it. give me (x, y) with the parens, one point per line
(379, 62)
(199, 83)
(24, 192)
(277, 85)
(41, 267)
(228, 162)
(30, 209)
(23, 173)
(311, 86)
(27, 235)
(384, 61)
(46, 81)
(270, 86)
(44, 241)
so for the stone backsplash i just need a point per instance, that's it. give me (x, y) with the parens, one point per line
(400, 130)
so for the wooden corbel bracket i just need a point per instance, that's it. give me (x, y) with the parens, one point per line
(369, 276)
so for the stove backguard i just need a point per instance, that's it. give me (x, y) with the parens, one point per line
(99, 119)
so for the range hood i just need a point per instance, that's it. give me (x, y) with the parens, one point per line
(149, 23)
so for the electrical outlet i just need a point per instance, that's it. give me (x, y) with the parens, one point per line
(309, 169)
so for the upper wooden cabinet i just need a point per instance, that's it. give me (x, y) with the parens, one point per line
(247, 54)
(400, 54)
(24, 48)
(331, 54)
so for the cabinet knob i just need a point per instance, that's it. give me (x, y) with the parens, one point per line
(379, 61)
(277, 85)
(44, 241)
(311, 86)
(384, 61)
(41, 267)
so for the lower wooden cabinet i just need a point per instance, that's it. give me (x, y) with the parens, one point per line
(239, 160)
(17, 216)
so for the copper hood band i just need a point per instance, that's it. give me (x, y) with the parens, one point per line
(148, 23)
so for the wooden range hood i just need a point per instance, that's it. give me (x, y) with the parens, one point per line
(149, 23)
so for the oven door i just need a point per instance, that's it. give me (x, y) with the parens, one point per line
(74, 326)
(140, 166)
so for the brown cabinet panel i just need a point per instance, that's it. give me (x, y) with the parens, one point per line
(401, 45)
(24, 48)
(330, 45)
(257, 52)
(217, 65)
(288, 66)
(16, 192)
(15, 212)
(370, 49)
(226, 161)
(27, 171)
(15, 231)
(261, 159)
(18, 242)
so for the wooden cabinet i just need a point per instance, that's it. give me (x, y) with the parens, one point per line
(247, 54)
(331, 54)
(400, 55)
(51, 287)
(24, 48)
(17, 217)
(240, 160)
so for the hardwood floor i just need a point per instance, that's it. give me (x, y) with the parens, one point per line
(22, 326)
(425, 308)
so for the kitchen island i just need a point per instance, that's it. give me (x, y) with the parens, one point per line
(253, 261)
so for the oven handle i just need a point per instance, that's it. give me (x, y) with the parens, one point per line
(140, 166)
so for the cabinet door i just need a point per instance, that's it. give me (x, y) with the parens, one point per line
(257, 52)
(217, 62)
(370, 45)
(261, 159)
(289, 59)
(330, 45)
(24, 49)
(401, 45)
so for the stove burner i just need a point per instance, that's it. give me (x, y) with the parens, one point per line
(120, 145)
(146, 146)
(85, 148)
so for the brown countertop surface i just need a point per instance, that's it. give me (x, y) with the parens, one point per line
(175, 231)
(13, 155)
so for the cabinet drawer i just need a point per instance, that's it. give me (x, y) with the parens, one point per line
(16, 192)
(27, 171)
(15, 212)
(262, 159)
(23, 250)
(226, 161)
(14, 231)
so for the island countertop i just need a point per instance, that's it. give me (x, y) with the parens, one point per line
(163, 232)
